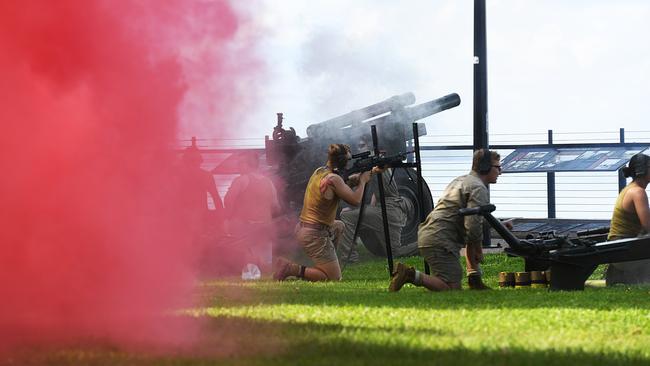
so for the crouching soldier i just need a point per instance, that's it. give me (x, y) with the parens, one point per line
(444, 233)
(318, 231)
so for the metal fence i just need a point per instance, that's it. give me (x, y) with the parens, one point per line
(576, 195)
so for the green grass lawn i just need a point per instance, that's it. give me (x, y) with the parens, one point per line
(359, 322)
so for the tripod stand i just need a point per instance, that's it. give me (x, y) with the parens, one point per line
(421, 202)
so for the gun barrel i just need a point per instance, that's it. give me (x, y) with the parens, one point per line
(359, 115)
(432, 107)
(600, 230)
(417, 112)
(364, 154)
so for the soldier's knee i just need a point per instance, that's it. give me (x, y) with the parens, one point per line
(349, 216)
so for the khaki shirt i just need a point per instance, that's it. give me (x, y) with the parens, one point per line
(391, 193)
(397, 208)
(444, 227)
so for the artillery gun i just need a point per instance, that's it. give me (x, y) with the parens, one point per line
(571, 260)
(296, 158)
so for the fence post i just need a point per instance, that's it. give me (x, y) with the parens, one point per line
(621, 177)
(550, 185)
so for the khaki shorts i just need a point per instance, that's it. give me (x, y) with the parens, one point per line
(444, 263)
(319, 244)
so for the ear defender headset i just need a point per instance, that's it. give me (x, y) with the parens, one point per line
(640, 164)
(485, 164)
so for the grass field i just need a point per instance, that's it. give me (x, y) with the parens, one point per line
(359, 322)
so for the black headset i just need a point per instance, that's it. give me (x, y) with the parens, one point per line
(640, 164)
(485, 164)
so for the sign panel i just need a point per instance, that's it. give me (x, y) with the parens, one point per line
(527, 160)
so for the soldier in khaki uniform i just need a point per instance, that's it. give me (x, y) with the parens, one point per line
(372, 223)
(444, 233)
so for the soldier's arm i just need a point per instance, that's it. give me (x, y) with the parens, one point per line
(343, 191)
(232, 195)
(478, 196)
(212, 190)
(640, 200)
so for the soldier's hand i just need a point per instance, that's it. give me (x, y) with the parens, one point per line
(378, 169)
(364, 177)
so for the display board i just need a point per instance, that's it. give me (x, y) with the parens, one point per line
(526, 160)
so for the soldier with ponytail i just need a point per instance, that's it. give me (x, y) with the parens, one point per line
(318, 231)
(631, 217)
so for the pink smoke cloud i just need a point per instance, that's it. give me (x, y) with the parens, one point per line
(91, 245)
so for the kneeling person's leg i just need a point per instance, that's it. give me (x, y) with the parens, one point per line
(332, 271)
(320, 250)
(345, 245)
(446, 272)
(336, 232)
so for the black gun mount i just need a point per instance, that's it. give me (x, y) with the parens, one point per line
(571, 260)
(297, 158)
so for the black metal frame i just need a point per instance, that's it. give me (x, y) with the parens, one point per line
(382, 199)
(571, 261)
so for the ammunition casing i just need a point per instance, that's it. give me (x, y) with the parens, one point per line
(506, 279)
(522, 279)
(537, 279)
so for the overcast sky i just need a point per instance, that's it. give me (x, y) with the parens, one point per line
(562, 65)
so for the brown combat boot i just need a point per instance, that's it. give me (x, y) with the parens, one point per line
(402, 274)
(475, 282)
(283, 268)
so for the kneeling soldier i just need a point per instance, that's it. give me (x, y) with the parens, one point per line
(444, 233)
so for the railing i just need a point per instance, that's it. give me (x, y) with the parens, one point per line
(589, 195)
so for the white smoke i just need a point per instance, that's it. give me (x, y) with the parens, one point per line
(551, 65)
